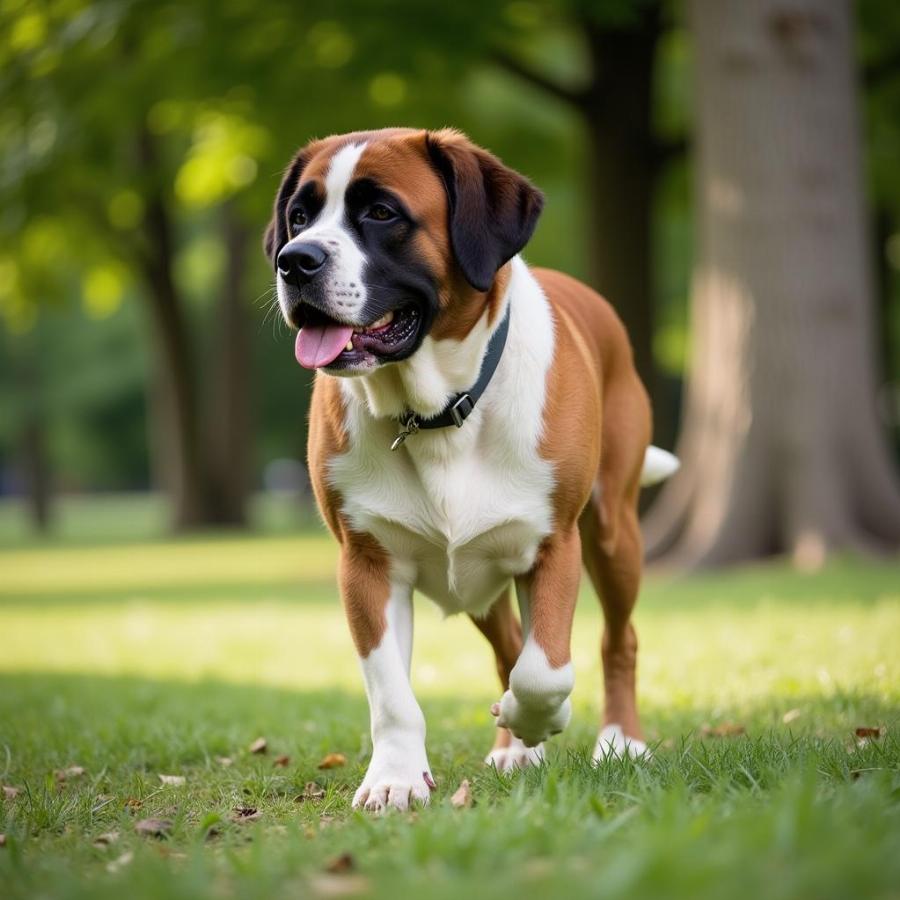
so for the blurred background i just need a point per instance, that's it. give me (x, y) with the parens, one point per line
(726, 173)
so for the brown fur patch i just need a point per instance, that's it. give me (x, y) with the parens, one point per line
(553, 592)
(364, 568)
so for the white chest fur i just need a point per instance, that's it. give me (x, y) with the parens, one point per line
(459, 510)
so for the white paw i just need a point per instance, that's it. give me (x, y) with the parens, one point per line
(398, 777)
(515, 756)
(612, 741)
(532, 723)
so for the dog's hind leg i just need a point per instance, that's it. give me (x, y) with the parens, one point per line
(502, 629)
(612, 554)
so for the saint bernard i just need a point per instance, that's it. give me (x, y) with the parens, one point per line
(474, 423)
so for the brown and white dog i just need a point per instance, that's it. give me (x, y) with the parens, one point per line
(396, 255)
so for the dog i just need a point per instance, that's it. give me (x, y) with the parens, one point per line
(474, 423)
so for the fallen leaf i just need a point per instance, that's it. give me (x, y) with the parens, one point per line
(69, 772)
(311, 791)
(153, 827)
(725, 729)
(224, 761)
(10, 792)
(172, 780)
(133, 803)
(2, 840)
(260, 745)
(244, 814)
(791, 716)
(282, 762)
(102, 841)
(120, 862)
(868, 732)
(463, 796)
(341, 864)
(333, 761)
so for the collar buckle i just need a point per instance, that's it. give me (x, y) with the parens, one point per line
(461, 410)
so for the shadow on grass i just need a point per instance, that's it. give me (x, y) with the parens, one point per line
(50, 721)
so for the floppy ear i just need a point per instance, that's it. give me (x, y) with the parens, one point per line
(276, 235)
(493, 210)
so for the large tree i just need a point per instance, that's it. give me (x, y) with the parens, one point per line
(782, 448)
(613, 99)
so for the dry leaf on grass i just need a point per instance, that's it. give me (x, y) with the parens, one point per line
(725, 729)
(281, 762)
(224, 761)
(2, 840)
(791, 716)
(463, 796)
(311, 791)
(260, 745)
(172, 780)
(153, 827)
(869, 732)
(133, 804)
(341, 864)
(63, 775)
(102, 841)
(10, 792)
(333, 761)
(244, 814)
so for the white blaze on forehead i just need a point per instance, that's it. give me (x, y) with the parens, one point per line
(340, 172)
(343, 287)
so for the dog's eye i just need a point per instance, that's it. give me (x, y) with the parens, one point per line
(298, 219)
(380, 212)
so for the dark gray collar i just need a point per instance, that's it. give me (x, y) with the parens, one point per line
(459, 407)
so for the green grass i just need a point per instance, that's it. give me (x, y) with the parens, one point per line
(132, 659)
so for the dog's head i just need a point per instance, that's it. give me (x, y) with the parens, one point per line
(381, 238)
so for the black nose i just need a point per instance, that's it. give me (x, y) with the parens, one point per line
(300, 263)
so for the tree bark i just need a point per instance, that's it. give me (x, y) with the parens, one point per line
(179, 460)
(622, 172)
(229, 429)
(624, 160)
(782, 449)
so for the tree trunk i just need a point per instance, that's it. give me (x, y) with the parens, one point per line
(622, 170)
(229, 428)
(177, 443)
(782, 450)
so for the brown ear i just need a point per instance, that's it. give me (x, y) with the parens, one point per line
(493, 210)
(276, 235)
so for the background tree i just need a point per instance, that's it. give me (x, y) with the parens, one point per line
(782, 447)
(614, 98)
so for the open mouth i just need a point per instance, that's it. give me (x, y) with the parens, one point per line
(323, 342)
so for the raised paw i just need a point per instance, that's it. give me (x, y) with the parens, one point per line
(533, 724)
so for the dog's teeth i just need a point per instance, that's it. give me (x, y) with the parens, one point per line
(349, 345)
(386, 319)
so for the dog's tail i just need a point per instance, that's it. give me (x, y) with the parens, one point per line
(659, 465)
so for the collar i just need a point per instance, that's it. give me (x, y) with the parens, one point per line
(459, 407)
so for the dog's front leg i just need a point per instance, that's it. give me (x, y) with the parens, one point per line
(379, 611)
(537, 704)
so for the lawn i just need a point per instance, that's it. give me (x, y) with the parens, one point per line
(130, 657)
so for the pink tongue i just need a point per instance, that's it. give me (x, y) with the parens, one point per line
(318, 345)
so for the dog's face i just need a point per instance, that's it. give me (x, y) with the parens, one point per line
(381, 238)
